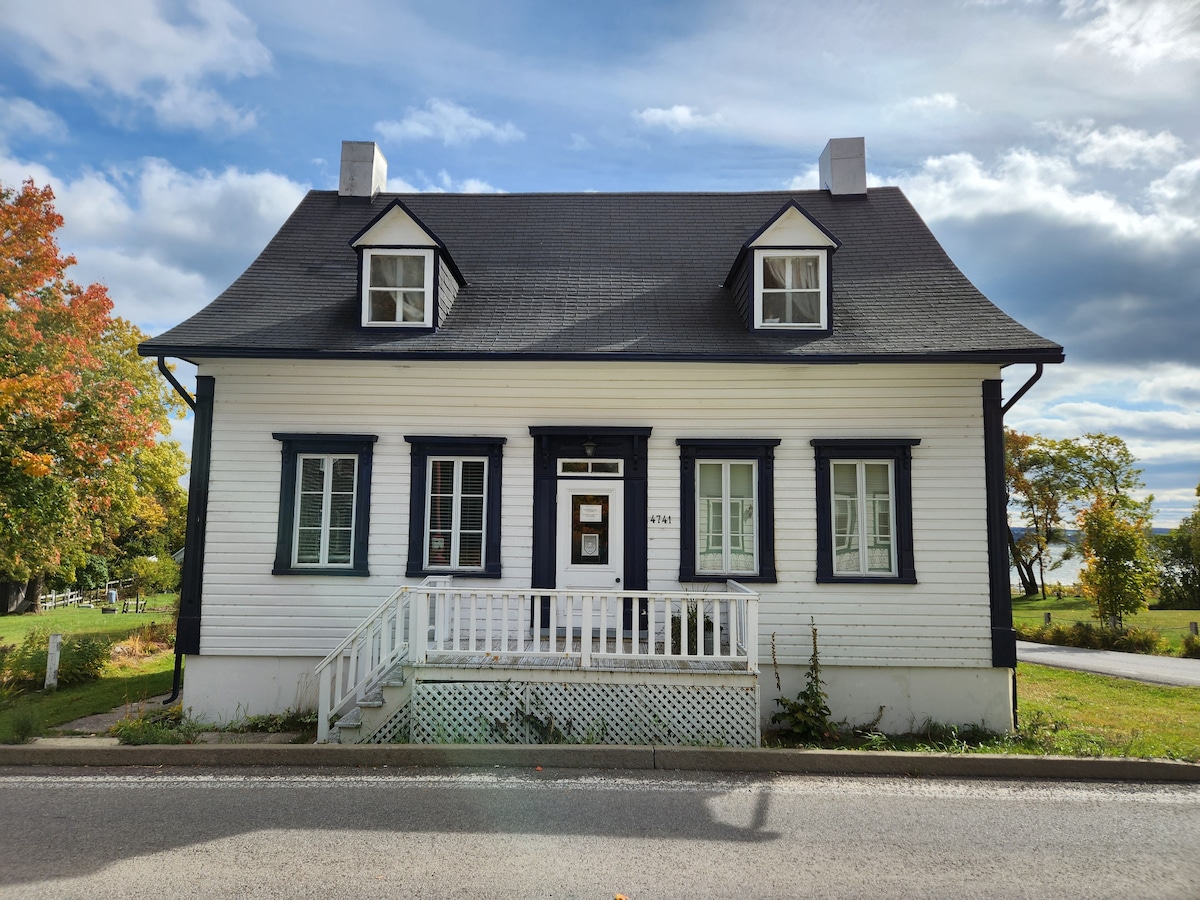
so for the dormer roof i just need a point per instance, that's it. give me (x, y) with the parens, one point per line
(398, 226)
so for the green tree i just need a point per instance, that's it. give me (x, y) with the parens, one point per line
(1179, 559)
(1043, 481)
(1119, 570)
(75, 402)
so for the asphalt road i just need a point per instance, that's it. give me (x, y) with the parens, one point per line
(1138, 666)
(517, 834)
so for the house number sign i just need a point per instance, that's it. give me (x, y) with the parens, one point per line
(660, 520)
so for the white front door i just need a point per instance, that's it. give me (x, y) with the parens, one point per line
(591, 533)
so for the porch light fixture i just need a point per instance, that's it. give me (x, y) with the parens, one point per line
(589, 447)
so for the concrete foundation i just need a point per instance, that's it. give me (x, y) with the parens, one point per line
(909, 696)
(225, 688)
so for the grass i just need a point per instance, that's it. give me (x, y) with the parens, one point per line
(1172, 624)
(1080, 714)
(35, 712)
(72, 620)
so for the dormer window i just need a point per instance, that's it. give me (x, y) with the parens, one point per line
(790, 289)
(397, 288)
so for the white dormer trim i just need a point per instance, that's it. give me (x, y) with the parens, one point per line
(395, 228)
(793, 229)
(771, 305)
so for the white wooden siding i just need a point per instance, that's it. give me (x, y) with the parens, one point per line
(943, 620)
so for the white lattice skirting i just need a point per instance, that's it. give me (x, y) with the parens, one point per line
(543, 713)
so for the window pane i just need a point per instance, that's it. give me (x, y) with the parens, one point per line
(413, 306)
(574, 467)
(343, 476)
(308, 545)
(774, 307)
(804, 307)
(339, 546)
(710, 480)
(879, 517)
(412, 271)
(471, 514)
(775, 271)
(312, 474)
(741, 480)
(311, 508)
(439, 548)
(470, 550)
(385, 270)
(341, 511)
(845, 518)
(606, 468)
(805, 272)
(441, 513)
(472, 477)
(441, 476)
(383, 305)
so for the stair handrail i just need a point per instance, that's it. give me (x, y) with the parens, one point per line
(329, 705)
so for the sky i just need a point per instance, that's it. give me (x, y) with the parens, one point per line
(1053, 146)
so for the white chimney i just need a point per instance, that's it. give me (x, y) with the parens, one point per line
(364, 170)
(843, 167)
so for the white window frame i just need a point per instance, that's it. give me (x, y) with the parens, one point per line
(456, 514)
(727, 532)
(862, 516)
(326, 504)
(822, 257)
(430, 298)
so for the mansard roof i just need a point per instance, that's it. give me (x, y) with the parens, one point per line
(607, 276)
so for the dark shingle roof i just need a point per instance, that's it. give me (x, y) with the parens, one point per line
(631, 276)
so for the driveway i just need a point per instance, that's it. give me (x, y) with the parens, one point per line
(1137, 666)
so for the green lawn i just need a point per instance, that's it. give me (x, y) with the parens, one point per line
(35, 712)
(1079, 714)
(1172, 624)
(72, 620)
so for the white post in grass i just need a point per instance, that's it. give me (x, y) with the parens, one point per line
(52, 654)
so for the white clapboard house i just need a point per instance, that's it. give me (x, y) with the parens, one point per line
(585, 467)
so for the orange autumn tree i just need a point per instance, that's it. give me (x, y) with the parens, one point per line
(76, 403)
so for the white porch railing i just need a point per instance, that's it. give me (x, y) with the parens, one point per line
(584, 628)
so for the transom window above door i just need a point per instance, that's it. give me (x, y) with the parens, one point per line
(610, 467)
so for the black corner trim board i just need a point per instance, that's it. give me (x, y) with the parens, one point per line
(761, 450)
(293, 444)
(899, 450)
(1004, 637)
(425, 446)
(191, 584)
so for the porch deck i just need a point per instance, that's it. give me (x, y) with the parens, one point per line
(652, 641)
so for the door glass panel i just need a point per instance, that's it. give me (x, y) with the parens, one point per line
(589, 529)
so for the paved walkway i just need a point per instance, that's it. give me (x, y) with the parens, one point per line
(1137, 666)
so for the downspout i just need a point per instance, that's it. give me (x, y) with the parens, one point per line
(1004, 640)
(189, 589)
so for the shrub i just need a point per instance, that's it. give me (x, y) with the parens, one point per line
(1129, 639)
(158, 726)
(81, 658)
(1191, 647)
(807, 717)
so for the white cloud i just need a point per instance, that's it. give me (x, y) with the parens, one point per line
(1049, 187)
(1138, 32)
(164, 241)
(443, 183)
(678, 118)
(21, 118)
(1153, 409)
(142, 50)
(1118, 147)
(449, 123)
(931, 104)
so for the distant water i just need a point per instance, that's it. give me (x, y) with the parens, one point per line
(1066, 574)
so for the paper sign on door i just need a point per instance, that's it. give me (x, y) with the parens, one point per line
(591, 512)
